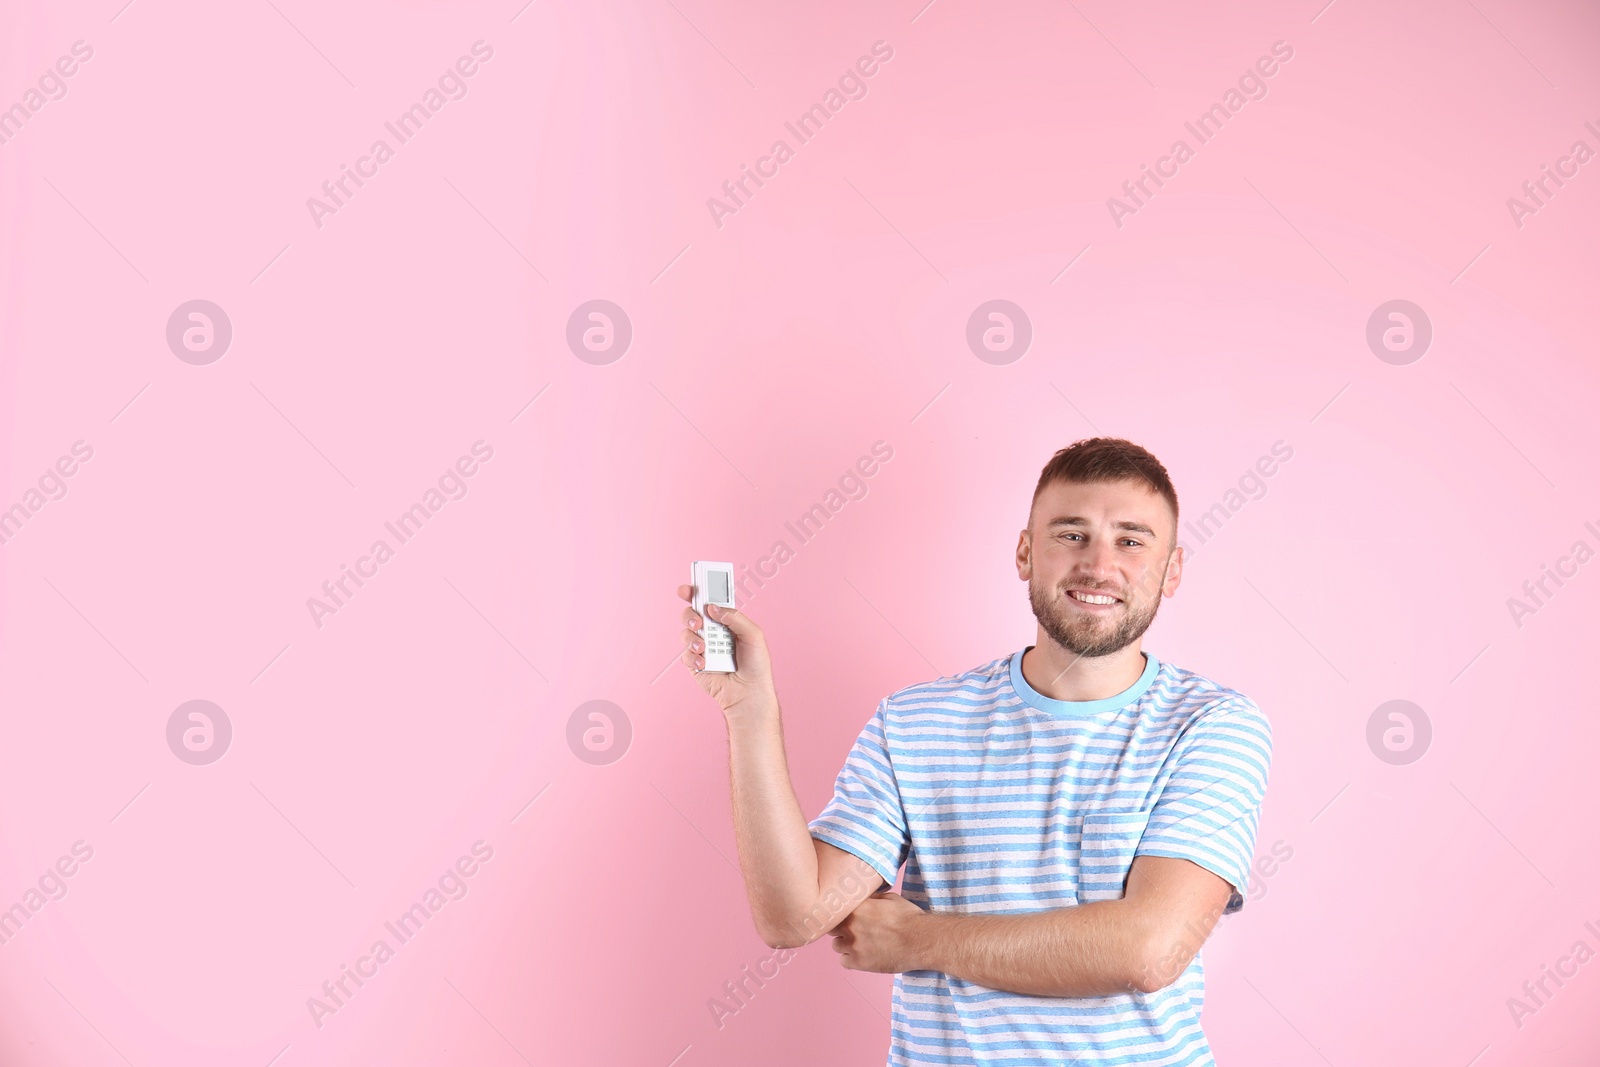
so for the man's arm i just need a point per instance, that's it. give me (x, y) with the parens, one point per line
(799, 887)
(1141, 942)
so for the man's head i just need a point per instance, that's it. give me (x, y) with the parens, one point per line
(1103, 524)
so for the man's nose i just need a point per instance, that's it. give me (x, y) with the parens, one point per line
(1100, 559)
(1096, 570)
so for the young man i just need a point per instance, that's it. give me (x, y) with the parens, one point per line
(1073, 818)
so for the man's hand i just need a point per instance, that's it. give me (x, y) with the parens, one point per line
(883, 934)
(748, 690)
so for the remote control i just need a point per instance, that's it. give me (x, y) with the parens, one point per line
(713, 584)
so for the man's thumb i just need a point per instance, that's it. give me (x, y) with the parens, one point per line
(732, 618)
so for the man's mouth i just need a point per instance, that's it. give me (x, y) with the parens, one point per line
(1084, 596)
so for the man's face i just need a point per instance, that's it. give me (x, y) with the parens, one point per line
(1098, 557)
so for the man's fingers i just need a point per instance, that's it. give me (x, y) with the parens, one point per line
(733, 619)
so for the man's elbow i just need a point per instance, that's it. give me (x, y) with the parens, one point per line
(781, 937)
(790, 934)
(780, 941)
(1161, 962)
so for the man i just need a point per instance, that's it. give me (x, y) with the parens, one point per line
(1073, 818)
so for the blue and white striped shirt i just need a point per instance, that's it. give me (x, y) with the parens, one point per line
(999, 799)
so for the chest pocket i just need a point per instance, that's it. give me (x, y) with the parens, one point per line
(1105, 851)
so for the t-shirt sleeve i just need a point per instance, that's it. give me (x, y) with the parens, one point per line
(1210, 807)
(865, 817)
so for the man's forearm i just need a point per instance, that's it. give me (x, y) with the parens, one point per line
(776, 853)
(1088, 950)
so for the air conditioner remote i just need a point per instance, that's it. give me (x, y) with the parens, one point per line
(713, 584)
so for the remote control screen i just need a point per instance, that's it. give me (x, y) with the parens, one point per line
(718, 581)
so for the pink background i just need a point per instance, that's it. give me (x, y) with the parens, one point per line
(768, 354)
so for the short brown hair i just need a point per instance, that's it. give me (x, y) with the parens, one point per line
(1106, 459)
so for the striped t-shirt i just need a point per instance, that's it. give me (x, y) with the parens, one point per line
(1001, 800)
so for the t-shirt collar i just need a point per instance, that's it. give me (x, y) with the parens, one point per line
(1081, 707)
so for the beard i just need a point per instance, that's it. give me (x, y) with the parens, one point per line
(1085, 634)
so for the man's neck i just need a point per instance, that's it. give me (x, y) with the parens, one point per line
(1061, 674)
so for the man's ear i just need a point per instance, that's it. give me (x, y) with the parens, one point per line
(1024, 557)
(1174, 575)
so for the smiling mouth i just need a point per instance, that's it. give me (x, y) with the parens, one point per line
(1098, 599)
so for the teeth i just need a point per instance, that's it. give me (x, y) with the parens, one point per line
(1094, 598)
